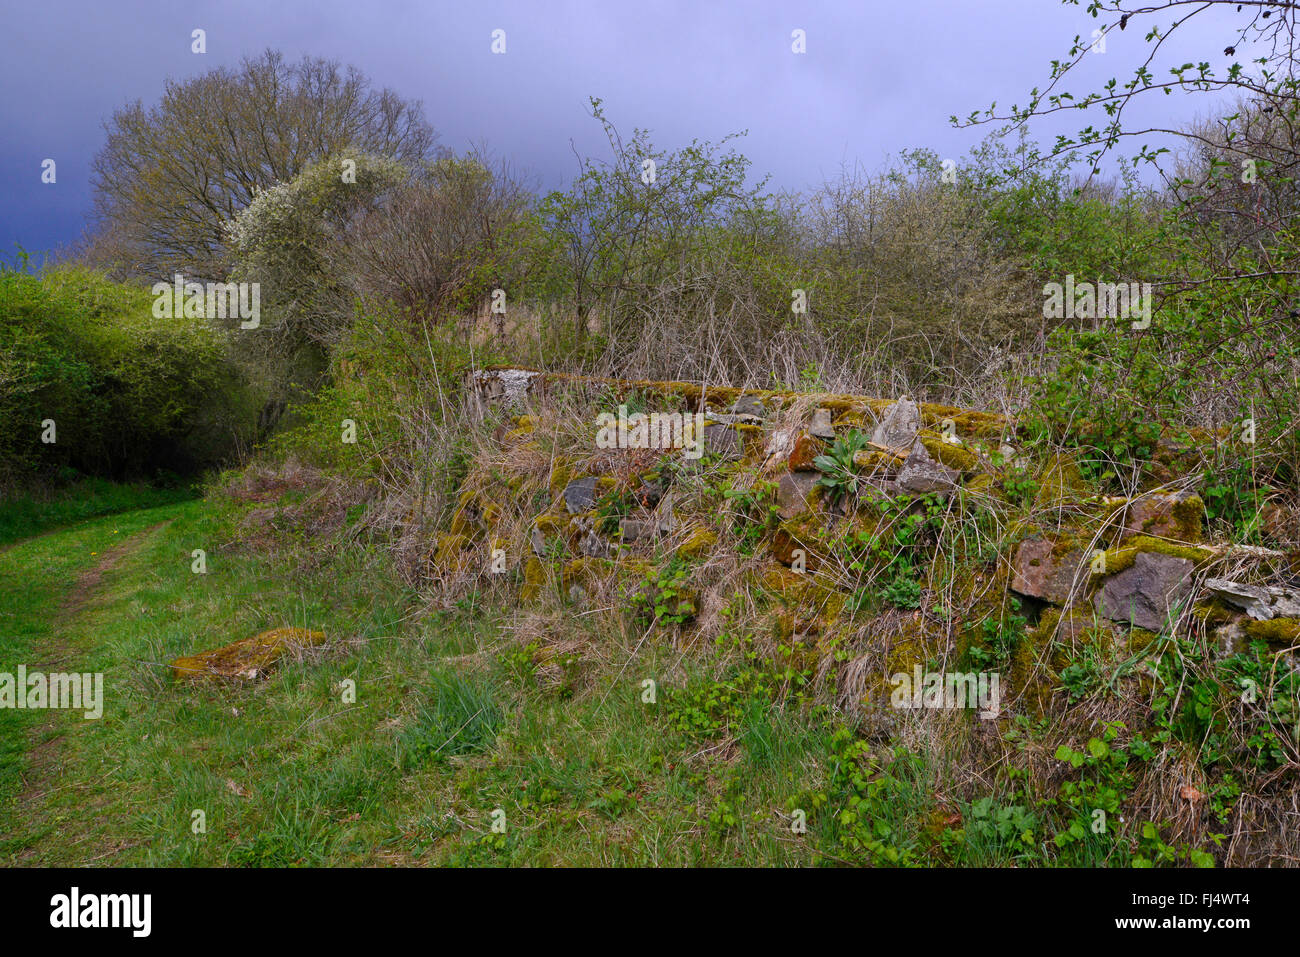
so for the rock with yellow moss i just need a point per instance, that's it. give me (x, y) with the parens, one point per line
(247, 658)
(697, 543)
(1178, 516)
(534, 579)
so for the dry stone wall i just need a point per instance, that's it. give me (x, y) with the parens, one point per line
(832, 482)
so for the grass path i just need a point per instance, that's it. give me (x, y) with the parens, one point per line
(47, 584)
(448, 724)
(117, 595)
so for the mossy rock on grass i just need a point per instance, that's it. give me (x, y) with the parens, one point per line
(871, 461)
(967, 423)
(808, 593)
(1180, 517)
(561, 474)
(475, 513)
(908, 644)
(1068, 630)
(448, 549)
(1215, 614)
(550, 523)
(247, 658)
(795, 588)
(525, 425)
(576, 571)
(1061, 482)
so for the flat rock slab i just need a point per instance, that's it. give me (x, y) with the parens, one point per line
(792, 493)
(1261, 602)
(247, 658)
(1041, 571)
(1173, 515)
(580, 495)
(508, 385)
(921, 474)
(750, 406)
(638, 529)
(1149, 593)
(722, 441)
(821, 425)
(900, 426)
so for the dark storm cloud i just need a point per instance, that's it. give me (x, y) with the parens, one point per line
(878, 77)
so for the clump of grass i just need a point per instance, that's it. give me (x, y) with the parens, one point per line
(461, 716)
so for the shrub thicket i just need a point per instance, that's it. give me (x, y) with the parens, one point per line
(129, 395)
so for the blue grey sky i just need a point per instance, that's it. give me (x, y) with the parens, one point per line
(879, 76)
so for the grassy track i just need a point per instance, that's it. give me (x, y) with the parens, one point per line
(444, 729)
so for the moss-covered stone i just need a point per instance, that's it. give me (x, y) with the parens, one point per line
(1275, 631)
(793, 536)
(1060, 482)
(448, 547)
(534, 578)
(1180, 518)
(950, 454)
(1214, 613)
(576, 571)
(247, 658)
(561, 475)
(806, 449)
(697, 543)
(872, 461)
(1121, 558)
(808, 590)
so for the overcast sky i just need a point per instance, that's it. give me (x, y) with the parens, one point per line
(879, 76)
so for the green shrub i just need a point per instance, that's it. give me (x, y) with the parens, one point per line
(129, 394)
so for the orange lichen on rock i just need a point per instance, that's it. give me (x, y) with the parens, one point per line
(246, 658)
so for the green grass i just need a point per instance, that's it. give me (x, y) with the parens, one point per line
(26, 512)
(36, 577)
(456, 722)
(443, 731)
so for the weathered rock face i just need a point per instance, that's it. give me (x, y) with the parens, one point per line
(649, 494)
(723, 441)
(508, 385)
(792, 493)
(900, 426)
(1040, 570)
(921, 474)
(821, 425)
(1179, 516)
(806, 449)
(790, 551)
(1149, 593)
(1261, 602)
(638, 529)
(593, 546)
(580, 495)
(750, 406)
